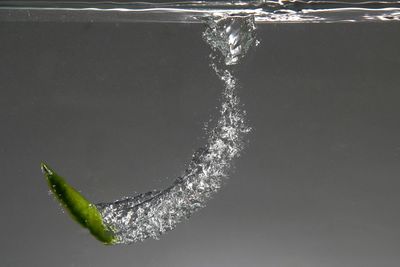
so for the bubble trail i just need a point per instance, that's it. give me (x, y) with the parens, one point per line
(151, 214)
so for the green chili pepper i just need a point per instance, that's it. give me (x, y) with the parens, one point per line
(80, 209)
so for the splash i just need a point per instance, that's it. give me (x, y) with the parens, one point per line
(151, 214)
(231, 36)
(184, 11)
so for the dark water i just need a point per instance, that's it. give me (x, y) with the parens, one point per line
(120, 108)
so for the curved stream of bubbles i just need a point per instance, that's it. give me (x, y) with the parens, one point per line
(154, 213)
(230, 31)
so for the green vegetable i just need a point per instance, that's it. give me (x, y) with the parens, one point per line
(80, 209)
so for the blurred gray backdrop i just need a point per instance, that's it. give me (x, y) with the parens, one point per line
(119, 109)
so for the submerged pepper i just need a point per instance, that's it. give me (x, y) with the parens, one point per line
(80, 209)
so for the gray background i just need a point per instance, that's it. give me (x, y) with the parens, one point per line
(119, 108)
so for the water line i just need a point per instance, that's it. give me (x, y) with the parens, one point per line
(264, 11)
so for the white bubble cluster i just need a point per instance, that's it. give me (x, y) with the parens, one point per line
(232, 36)
(154, 213)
